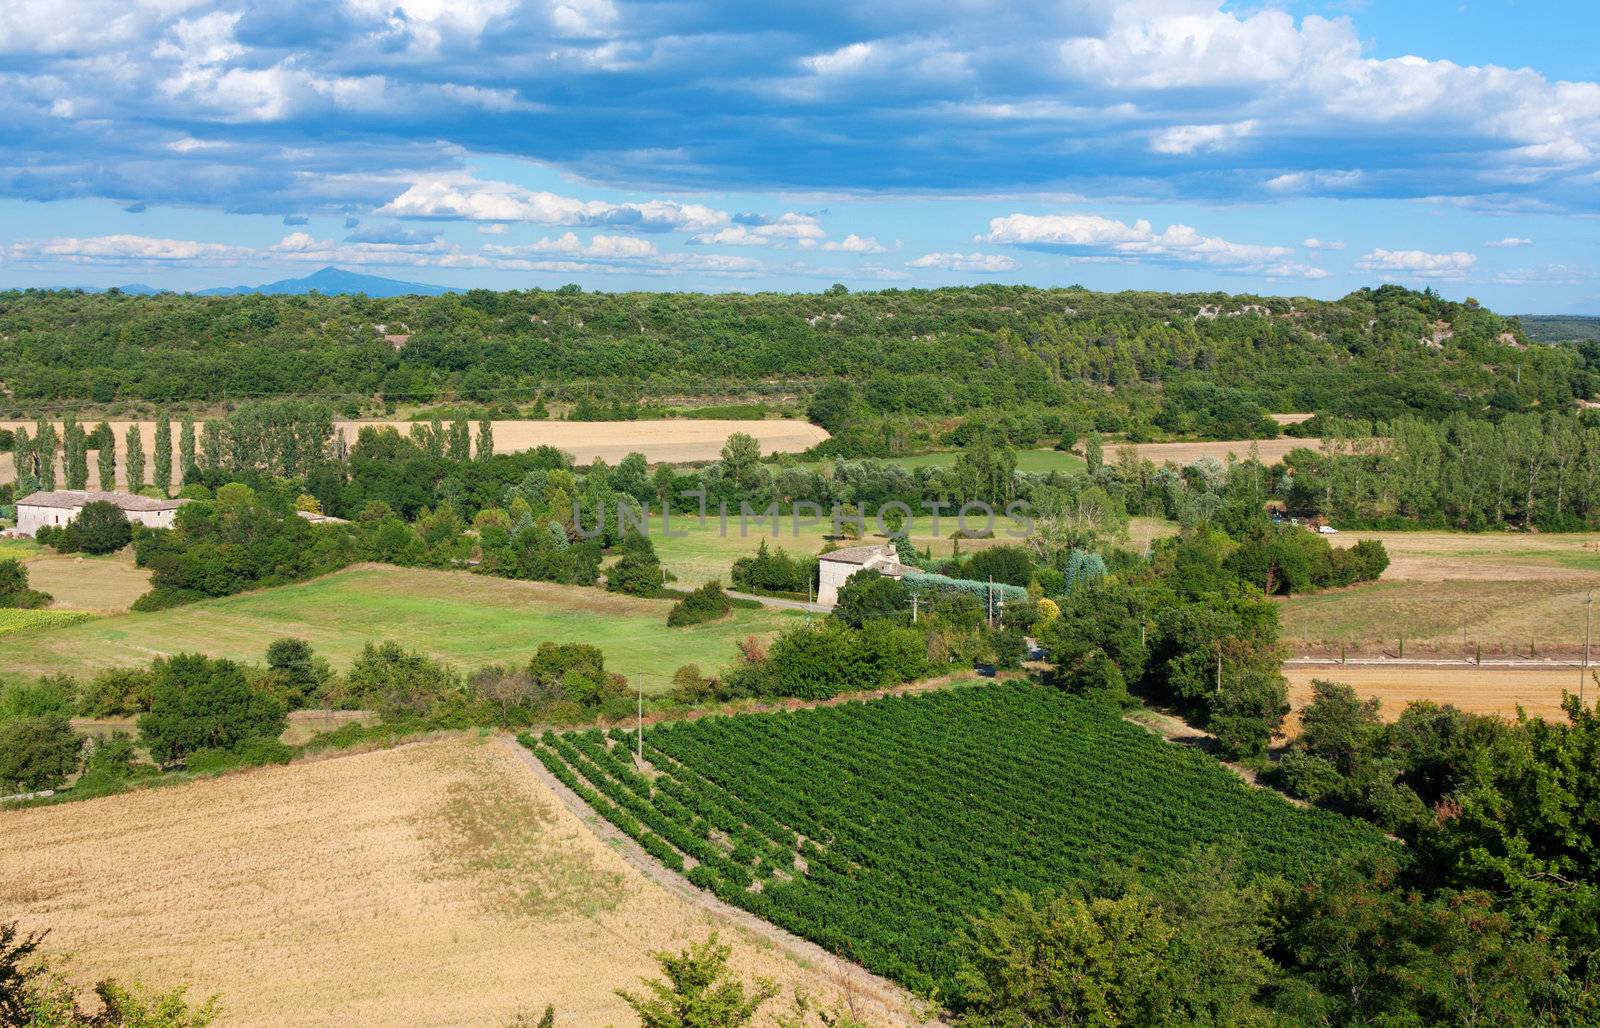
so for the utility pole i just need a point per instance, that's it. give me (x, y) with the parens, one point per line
(913, 608)
(1219, 669)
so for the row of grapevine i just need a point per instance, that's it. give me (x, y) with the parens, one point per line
(879, 829)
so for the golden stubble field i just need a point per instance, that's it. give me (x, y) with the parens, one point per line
(670, 440)
(437, 883)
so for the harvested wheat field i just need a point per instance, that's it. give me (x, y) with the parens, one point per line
(1487, 690)
(1268, 450)
(670, 440)
(106, 585)
(437, 883)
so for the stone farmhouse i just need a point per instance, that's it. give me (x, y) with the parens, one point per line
(56, 507)
(834, 569)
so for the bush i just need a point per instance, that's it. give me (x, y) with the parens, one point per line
(199, 703)
(768, 572)
(387, 679)
(257, 752)
(110, 765)
(100, 527)
(37, 752)
(869, 595)
(638, 572)
(301, 675)
(14, 591)
(54, 695)
(706, 603)
(166, 597)
(117, 692)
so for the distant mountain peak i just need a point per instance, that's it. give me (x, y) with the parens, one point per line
(333, 280)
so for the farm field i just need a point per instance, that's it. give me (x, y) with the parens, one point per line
(465, 619)
(436, 883)
(1038, 461)
(670, 440)
(1488, 690)
(1185, 453)
(1447, 593)
(929, 805)
(105, 585)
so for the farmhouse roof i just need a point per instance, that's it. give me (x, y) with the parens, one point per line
(856, 554)
(70, 498)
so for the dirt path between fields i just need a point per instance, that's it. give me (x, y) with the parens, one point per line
(853, 979)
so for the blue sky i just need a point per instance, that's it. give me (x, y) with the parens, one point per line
(1302, 148)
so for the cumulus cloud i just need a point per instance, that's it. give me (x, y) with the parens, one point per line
(791, 227)
(1313, 243)
(463, 197)
(853, 243)
(124, 249)
(1509, 242)
(602, 246)
(1418, 263)
(1092, 235)
(988, 263)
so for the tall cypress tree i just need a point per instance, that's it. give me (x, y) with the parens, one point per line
(44, 454)
(460, 438)
(74, 454)
(186, 465)
(135, 459)
(485, 438)
(106, 456)
(163, 454)
(22, 456)
(211, 446)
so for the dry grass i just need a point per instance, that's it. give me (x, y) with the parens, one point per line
(433, 884)
(1479, 690)
(107, 585)
(671, 440)
(1268, 450)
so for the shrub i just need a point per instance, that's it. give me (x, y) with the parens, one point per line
(301, 675)
(110, 765)
(14, 591)
(117, 692)
(166, 597)
(638, 572)
(706, 603)
(37, 752)
(199, 703)
(768, 572)
(56, 694)
(869, 595)
(397, 683)
(256, 752)
(100, 527)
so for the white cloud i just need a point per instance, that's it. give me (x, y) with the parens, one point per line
(1418, 263)
(1328, 181)
(461, 196)
(601, 246)
(118, 249)
(853, 243)
(1509, 242)
(987, 263)
(1188, 139)
(1093, 235)
(1313, 243)
(801, 228)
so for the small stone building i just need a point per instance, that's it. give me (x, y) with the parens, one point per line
(834, 569)
(58, 506)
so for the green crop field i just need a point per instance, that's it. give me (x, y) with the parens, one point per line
(468, 620)
(878, 829)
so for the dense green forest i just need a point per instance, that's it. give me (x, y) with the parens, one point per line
(1150, 364)
(1561, 328)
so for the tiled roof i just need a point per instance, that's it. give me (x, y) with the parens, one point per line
(78, 497)
(855, 554)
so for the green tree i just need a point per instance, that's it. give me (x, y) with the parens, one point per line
(699, 991)
(186, 450)
(14, 591)
(460, 442)
(44, 454)
(22, 458)
(303, 674)
(106, 456)
(135, 459)
(870, 595)
(638, 572)
(100, 527)
(37, 752)
(162, 479)
(485, 438)
(201, 703)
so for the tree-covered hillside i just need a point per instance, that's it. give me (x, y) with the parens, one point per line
(1219, 360)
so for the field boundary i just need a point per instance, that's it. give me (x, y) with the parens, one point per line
(854, 975)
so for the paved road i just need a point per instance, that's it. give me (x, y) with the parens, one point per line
(780, 604)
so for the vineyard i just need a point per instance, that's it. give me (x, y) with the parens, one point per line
(877, 830)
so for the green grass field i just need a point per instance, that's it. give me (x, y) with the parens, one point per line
(465, 619)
